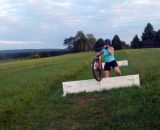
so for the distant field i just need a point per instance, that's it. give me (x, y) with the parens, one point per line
(31, 94)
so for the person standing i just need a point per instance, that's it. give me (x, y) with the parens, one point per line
(110, 61)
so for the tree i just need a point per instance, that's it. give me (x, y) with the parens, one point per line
(91, 40)
(80, 41)
(116, 43)
(135, 43)
(148, 37)
(77, 43)
(157, 39)
(69, 42)
(99, 44)
(149, 28)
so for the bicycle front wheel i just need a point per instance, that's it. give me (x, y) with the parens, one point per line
(97, 69)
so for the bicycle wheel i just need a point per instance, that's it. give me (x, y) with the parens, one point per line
(97, 69)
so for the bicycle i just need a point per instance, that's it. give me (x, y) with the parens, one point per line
(97, 68)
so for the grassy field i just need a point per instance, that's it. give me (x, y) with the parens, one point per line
(31, 95)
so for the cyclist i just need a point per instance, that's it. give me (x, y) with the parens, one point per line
(110, 62)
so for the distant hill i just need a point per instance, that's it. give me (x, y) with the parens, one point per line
(26, 53)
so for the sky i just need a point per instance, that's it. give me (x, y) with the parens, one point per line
(37, 24)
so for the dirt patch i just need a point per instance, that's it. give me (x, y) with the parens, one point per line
(86, 100)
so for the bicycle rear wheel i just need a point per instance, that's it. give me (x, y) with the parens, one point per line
(97, 69)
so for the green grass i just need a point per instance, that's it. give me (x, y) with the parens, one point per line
(31, 94)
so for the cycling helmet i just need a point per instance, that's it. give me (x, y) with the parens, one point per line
(107, 42)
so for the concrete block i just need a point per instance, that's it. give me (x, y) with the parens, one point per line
(120, 81)
(105, 84)
(81, 86)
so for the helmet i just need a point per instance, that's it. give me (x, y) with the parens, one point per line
(107, 42)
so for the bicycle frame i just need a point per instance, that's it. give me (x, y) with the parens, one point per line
(99, 61)
(97, 68)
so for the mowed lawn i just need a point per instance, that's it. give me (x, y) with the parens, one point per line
(31, 94)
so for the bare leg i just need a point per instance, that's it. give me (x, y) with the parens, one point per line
(106, 74)
(117, 71)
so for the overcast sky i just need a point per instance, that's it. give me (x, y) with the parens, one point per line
(45, 23)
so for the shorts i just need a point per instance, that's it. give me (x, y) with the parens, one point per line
(108, 65)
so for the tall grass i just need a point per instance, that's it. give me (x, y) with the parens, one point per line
(31, 94)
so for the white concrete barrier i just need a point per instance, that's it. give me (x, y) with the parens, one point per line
(120, 63)
(105, 84)
(120, 81)
(81, 86)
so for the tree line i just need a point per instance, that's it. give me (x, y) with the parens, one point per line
(81, 42)
(149, 39)
(117, 43)
(31, 53)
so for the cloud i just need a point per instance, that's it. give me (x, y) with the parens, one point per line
(6, 42)
(53, 20)
(10, 10)
(136, 11)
